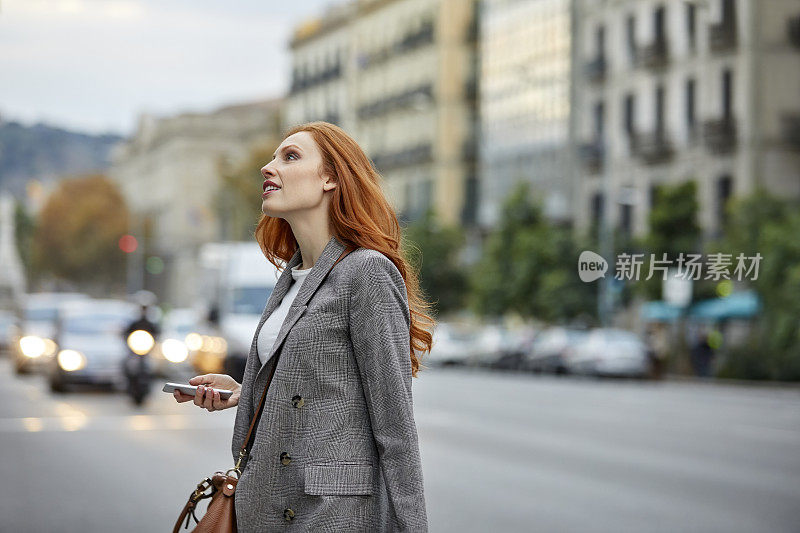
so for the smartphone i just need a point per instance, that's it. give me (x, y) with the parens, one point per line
(191, 390)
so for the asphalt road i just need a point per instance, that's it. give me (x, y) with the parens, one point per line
(501, 452)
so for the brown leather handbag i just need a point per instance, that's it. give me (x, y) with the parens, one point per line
(220, 516)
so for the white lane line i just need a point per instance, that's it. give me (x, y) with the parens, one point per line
(82, 422)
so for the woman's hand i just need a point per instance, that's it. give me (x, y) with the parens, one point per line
(207, 396)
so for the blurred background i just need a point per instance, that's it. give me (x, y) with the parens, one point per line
(511, 135)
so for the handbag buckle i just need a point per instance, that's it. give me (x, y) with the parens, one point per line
(201, 488)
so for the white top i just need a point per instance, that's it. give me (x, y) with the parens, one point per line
(272, 326)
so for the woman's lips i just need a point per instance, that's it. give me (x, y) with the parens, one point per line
(267, 192)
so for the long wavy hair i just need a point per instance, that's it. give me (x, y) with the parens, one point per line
(360, 216)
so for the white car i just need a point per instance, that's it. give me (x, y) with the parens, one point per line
(180, 335)
(34, 342)
(609, 352)
(91, 344)
(453, 344)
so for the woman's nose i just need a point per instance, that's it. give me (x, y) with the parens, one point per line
(267, 172)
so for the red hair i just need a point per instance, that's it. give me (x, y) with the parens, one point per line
(360, 216)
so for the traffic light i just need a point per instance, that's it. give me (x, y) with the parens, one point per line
(128, 243)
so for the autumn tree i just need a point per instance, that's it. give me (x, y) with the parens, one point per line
(77, 233)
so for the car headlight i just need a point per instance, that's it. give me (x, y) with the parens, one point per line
(194, 341)
(50, 347)
(32, 346)
(174, 351)
(213, 344)
(141, 342)
(71, 360)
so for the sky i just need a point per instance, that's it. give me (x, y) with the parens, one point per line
(95, 65)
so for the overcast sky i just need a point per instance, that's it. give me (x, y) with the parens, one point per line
(94, 65)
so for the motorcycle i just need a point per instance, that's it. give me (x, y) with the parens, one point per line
(137, 365)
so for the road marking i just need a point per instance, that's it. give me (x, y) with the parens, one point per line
(82, 422)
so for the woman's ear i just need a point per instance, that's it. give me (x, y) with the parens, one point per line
(329, 184)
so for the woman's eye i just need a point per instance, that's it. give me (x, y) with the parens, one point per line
(290, 154)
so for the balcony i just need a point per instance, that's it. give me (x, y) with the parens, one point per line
(414, 155)
(723, 37)
(652, 147)
(790, 130)
(720, 135)
(592, 153)
(654, 55)
(595, 70)
(793, 31)
(406, 99)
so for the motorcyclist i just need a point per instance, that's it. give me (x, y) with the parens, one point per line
(136, 367)
(143, 323)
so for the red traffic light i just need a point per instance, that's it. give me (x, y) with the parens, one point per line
(128, 244)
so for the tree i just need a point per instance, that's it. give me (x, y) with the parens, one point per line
(764, 224)
(24, 224)
(529, 266)
(673, 229)
(435, 248)
(77, 233)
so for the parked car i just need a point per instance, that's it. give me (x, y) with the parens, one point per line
(610, 352)
(34, 342)
(91, 344)
(453, 344)
(179, 341)
(507, 347)
(550, 349)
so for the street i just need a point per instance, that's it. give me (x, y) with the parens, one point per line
(501, 452)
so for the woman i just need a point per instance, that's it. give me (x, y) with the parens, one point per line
(336, 446)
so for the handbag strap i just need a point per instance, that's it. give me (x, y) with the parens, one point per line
(247, 441)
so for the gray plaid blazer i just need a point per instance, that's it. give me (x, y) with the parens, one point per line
(336, 447)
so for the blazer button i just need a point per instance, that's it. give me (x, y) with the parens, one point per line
(285, 459)
(288, 515)
(298, 401)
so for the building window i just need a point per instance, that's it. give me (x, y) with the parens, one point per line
(626, 218)
(658, 24)
(599, 116)
(724, 191)
(629, 111)
(600, 41)
(727, 93)
(660, 109)
(596, 209)
(630, 28)
(690, 105)
(691, 25)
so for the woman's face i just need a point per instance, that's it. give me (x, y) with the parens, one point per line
(296, 169)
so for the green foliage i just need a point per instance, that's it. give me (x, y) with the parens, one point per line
(24, 224)
(77, 233)
(529, 267)
(673, 229)
(767, 225)
(434, 249)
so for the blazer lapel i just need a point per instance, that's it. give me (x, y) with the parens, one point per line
(329, 255)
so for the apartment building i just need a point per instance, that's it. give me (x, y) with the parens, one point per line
(400, 77)
(675, 90)
(526, 123)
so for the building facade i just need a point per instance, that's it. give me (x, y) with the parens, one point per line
(670, 91)
(526, 124)
(401, 78)
(169, 173)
